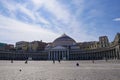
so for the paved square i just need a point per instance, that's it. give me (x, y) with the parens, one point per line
(66, 70)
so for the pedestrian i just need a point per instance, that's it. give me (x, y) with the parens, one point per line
(77, 64)
(53, 61)
(59, 60)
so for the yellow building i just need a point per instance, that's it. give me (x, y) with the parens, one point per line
(22, 46)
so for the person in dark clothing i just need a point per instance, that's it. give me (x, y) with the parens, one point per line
(53, 61)
(59, 60)
(77, 64)
(11, 61)
(26, 62)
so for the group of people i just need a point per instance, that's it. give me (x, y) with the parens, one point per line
(77, 64)
(25, 61)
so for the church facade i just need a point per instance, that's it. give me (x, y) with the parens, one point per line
(66, 48)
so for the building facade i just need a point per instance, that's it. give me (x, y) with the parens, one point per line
(6, 47)
(85, 50)
(36, 46)
(22, 46)
(66, 48)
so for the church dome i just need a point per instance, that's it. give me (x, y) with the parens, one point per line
(64, 40)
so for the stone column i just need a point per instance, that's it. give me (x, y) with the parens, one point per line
(118, 51)
(57, 55)
(68, 54)
(62, 55)
(108, 54)
(112, 54)
(54, 55)
(48, 55)
(115, 54)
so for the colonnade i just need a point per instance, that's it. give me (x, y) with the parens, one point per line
(65, 54)
(58, 55)
(95, 54)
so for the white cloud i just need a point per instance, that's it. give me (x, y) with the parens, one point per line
(57, 9)
(116, 19)
(63, 14)
(14, 30)
(8, 5)
(64, 21)
(31, 13)
(39, 18)
(26, 11)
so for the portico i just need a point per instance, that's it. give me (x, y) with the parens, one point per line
(58, 53)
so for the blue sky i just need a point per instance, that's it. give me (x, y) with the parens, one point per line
(83, 20)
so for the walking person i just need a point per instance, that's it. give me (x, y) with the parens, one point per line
(26, 62)
(77, 64)
(59, 60)
(11, 61)
(53, 61)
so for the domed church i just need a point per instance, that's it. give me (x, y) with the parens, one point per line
(66, 48)
(59, 49)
